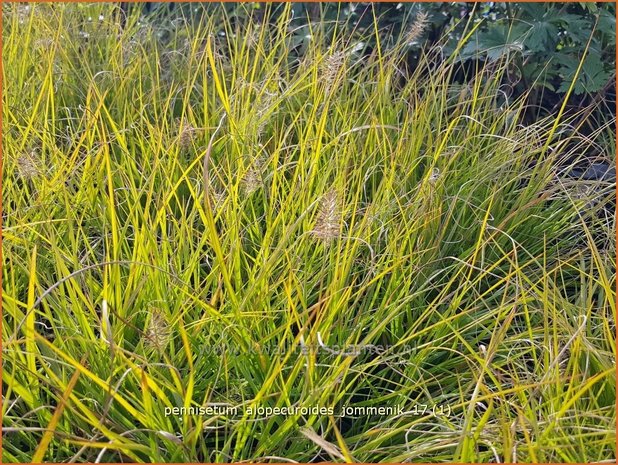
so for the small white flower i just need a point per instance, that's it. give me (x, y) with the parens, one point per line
(101, 17)
(89, 18)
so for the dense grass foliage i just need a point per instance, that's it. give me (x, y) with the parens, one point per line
(195, 219)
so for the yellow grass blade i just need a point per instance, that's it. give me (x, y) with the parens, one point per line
(47, 436)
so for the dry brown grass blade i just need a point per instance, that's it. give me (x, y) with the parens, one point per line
(330, 448)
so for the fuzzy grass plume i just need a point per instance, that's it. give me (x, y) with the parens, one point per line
(329, 217)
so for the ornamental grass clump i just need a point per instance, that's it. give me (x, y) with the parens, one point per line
(341, 235)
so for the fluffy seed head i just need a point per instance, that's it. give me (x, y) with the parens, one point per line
(29, 165)
(331, 67)
(186, 133)
(157, 330)
(329, 217)
(252, 180)
(417, 28)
